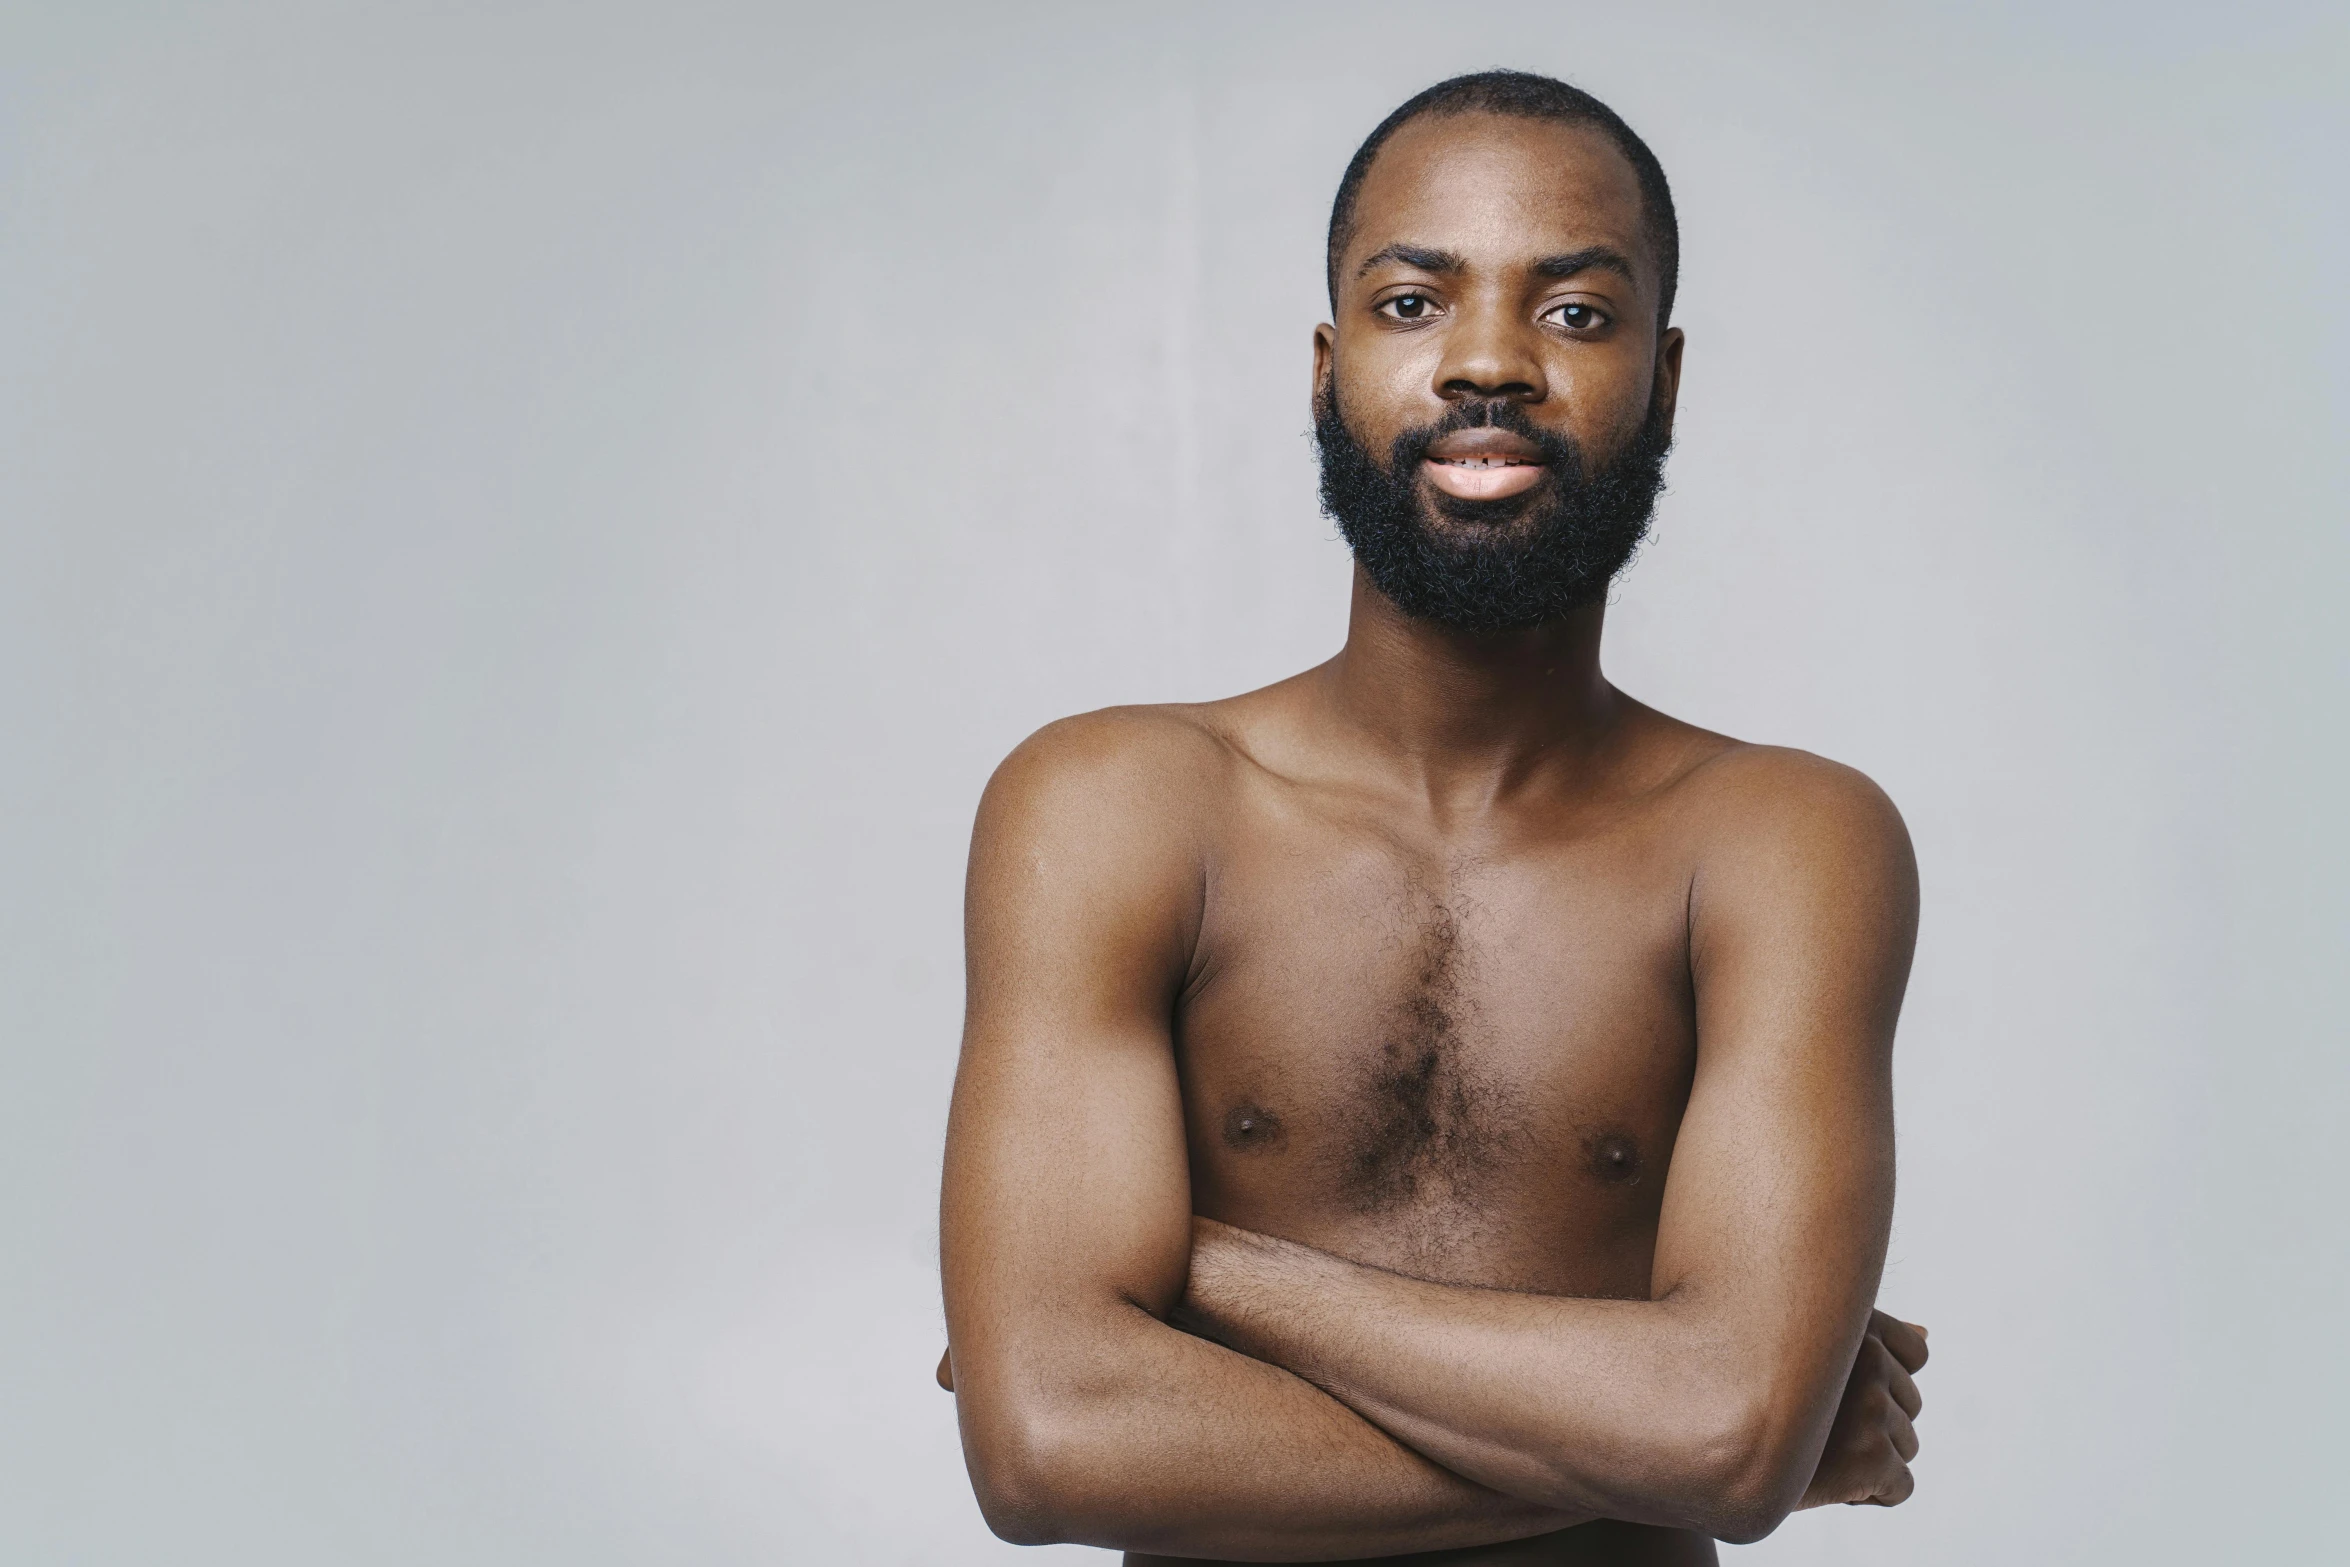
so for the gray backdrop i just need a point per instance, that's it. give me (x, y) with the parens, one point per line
(523, 529)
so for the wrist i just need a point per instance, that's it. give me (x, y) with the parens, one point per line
(1238, 1280)
(1207, 1304)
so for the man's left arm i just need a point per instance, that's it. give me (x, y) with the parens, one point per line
(1708, 1405)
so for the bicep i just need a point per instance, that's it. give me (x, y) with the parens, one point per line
(1066, 1198)
(1780, 1191)
(1065, 1177)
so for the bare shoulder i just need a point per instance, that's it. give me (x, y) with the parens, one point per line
(1087, 877)
(1795, 818)
(1098, 822)
(1772, 788)
(1157, 764)
(1802, 907)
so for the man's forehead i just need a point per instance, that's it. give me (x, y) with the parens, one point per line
(1492, 188)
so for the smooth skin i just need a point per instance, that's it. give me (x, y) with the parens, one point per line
(1435, 1103)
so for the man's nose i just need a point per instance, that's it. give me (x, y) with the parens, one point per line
(1489, 354)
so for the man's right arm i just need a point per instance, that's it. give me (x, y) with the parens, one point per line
(1066, 1218)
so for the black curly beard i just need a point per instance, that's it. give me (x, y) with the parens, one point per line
(1507, 564)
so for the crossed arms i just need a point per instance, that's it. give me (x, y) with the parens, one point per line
(1317, 1408)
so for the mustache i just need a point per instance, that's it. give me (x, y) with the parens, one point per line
(1559, 452)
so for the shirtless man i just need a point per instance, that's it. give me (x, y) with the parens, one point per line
(1437, 1103)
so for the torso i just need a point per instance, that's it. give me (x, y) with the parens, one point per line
(1461, 1049)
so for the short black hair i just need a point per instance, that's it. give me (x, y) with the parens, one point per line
(1524, 95)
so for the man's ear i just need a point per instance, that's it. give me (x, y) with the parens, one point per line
(1668, 373)
(1325, 344)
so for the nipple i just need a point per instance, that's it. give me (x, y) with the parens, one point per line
(1614, 1158)
(1251, 1127)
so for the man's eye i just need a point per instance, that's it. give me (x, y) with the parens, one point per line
(1576, 318)
(1409, 307)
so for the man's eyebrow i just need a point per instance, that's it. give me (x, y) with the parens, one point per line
(1584, 260)
(1414, 256)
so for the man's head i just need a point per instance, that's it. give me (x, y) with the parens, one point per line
(1494, 397)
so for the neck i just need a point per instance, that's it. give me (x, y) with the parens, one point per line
(1461, 707)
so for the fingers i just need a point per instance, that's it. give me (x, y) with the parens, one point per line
(1906, 1340)
(1902, 1434)
(1895, 1491)
(946, 1370)
(1905, 1392)
(1874, 1437)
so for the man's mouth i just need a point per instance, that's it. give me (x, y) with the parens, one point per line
(1482, 465)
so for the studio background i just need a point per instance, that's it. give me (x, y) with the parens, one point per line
(524, 528)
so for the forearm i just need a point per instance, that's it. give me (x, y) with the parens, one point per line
(1639, 1410)
(1167, 1443)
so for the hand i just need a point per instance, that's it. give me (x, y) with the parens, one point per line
(1870, 1446)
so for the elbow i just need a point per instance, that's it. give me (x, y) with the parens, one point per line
(1744, 1520)
(1020, 1488)
(1718, 1466)
(1030, 1475)
(1744, 1473)
(1016, 1513)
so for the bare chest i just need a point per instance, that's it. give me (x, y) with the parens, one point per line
(1468, 1066)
